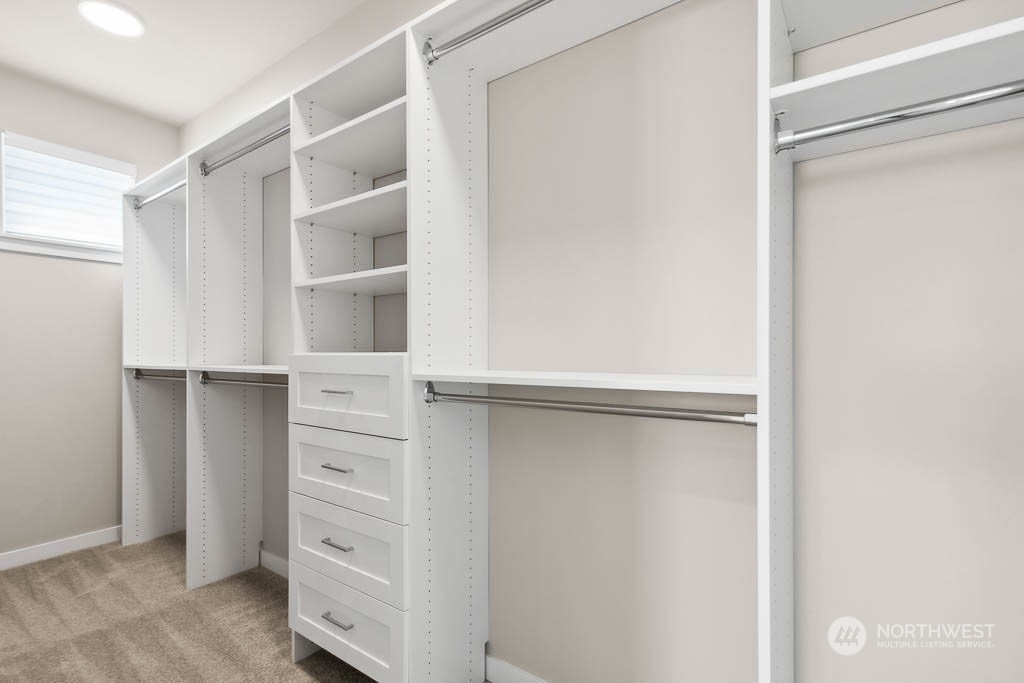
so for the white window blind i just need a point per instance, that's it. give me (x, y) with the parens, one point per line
(58, 195)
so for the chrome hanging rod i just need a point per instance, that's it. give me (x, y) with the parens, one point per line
(140, 202)
(138, 374)
(432, 54)
(204, 379)
(207, 169)
(789, 139)
(430, 395)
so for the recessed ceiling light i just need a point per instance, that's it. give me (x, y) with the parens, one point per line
(112, 17)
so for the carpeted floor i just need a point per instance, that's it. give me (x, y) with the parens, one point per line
(123, 614)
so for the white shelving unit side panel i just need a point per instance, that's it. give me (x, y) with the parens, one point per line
(978, 59)
(153, 458)
(225, 480)
(447, 216)
(448, 540)
(225, 266)
(775, 542)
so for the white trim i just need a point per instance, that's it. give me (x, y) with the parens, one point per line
(500, 671)
(62, 546)
(41, 248)
(274, 563)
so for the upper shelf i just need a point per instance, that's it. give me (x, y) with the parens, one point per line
(245, 369)
(815, 22)
(375, 213)
(970, 61)
(373, 144)
(694, 384)
(360, 84)
(377, 282)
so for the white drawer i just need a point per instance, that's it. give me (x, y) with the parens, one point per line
(355, 392)
(363, 552)
(365, 473)
(364, 632)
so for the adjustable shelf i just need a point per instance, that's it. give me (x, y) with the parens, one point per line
(373, 214)
(169, 367)
(364, 82)
(245, 369)
(377, 282)
(373, 144)
(970, 61)
(695, 384)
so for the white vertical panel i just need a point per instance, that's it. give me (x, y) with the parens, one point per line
(448, 540)
(277, 279)
(225, 480)
(775, 583)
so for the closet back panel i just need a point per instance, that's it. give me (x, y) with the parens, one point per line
(154, 289)
(153, 464)
(226, 257)
(909, 359)
(621, 230)
(277, 282)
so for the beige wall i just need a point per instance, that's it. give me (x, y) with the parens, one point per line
(623, 549)
(357, 29)
(60, 337)
(909, 358)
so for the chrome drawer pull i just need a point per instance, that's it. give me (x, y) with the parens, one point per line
(343, 470)
(326, 616)
(336, 391)
(342, 548)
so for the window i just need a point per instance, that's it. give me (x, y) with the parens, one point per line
(61, 201)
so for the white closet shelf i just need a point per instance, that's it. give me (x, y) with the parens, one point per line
(373, 144)
(970, 61)
(377, 282)
(244, 369)
(375, 213)
(155, 366)
(694, 384)
(364, 81)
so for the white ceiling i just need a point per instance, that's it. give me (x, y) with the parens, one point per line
(194, 52)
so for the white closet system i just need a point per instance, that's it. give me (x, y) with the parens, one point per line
(388, 159)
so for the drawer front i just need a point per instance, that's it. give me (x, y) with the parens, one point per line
(360, 551)
(365, 473)
(356, 393)
(364, 632)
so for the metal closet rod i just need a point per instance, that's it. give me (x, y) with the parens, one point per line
(430, 395)
(140, 202)
(432, 54)
(138, 374)
(204, 379)
(207, 169)
(789, 139)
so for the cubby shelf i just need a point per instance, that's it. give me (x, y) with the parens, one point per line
(695, 384)
(245, 369)
(375, 213)
(373, 144)
(970, 61)
(378, 282)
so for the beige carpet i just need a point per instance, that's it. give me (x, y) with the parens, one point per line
(123, 614)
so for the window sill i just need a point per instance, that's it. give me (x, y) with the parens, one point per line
(39, 248)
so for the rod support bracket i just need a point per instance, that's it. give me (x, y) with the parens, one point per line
(783, 138)
(428, 393)
(204, 169)
(136, 374)
(428, 53)
(204, 377)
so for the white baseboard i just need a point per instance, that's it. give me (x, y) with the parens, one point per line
(62, 546)
(500, 671)
(275, 563)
